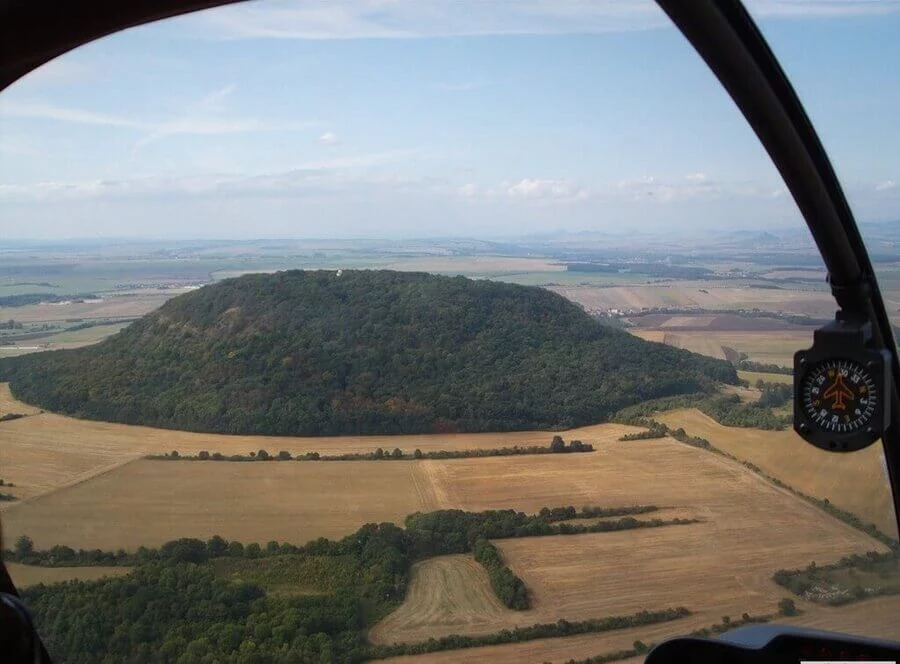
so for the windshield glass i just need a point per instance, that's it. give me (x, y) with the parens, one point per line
(429, 331)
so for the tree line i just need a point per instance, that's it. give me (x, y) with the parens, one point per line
(508, 587)
(654, 431)
(786, 608)
(173, 605)
(760, 367)
(561, 628)
(556, 446)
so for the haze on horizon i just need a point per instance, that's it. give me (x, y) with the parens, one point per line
(366, 118)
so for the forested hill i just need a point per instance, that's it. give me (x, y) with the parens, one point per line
(360, 352)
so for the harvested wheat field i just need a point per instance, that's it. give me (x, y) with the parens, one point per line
(558, 649)
(9, 404)
(876, 618)
(30, 575)
(855, 482)
(722, 566)
(151, 502)
(453, 592)
(48, 451)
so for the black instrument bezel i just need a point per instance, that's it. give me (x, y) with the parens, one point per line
(842, 340)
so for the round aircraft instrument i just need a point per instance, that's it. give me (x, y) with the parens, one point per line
(839, 396)
(841, 388)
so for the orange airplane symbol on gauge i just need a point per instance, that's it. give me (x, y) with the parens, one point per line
(839, 392)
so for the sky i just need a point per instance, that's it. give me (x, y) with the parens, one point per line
(418, 118)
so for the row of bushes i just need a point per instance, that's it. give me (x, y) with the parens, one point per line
(444, 531)
(560, 628)
(558, 446)
(759, 367)
(8, 417)
(655, 431)
(786, 608)
(589, 512)
(510, 589)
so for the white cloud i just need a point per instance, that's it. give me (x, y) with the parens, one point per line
(404, 19)
(469, 190)
(41, 111)
(693, 186)
(204, 118)
(329, 138)
(887, 185)
(313, 177)
(546, 190)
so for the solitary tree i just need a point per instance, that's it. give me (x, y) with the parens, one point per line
(418, 453)
(203, 456)
(558, 444)
(284, 455)
(262, 455)
(24, 546)
(787, 607)
(216, 546)
(397, 453)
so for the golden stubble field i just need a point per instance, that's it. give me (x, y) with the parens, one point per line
(722, 566)
(46, 452)
(768, 347)
(855, 482)
(876, 618)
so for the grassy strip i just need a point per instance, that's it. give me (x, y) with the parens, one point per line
(539, 631)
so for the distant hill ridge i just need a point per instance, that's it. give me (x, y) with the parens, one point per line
(320, 352)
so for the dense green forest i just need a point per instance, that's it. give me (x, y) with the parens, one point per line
(360, 352)
(219, 601)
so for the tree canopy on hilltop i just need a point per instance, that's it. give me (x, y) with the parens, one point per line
(319, 353)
